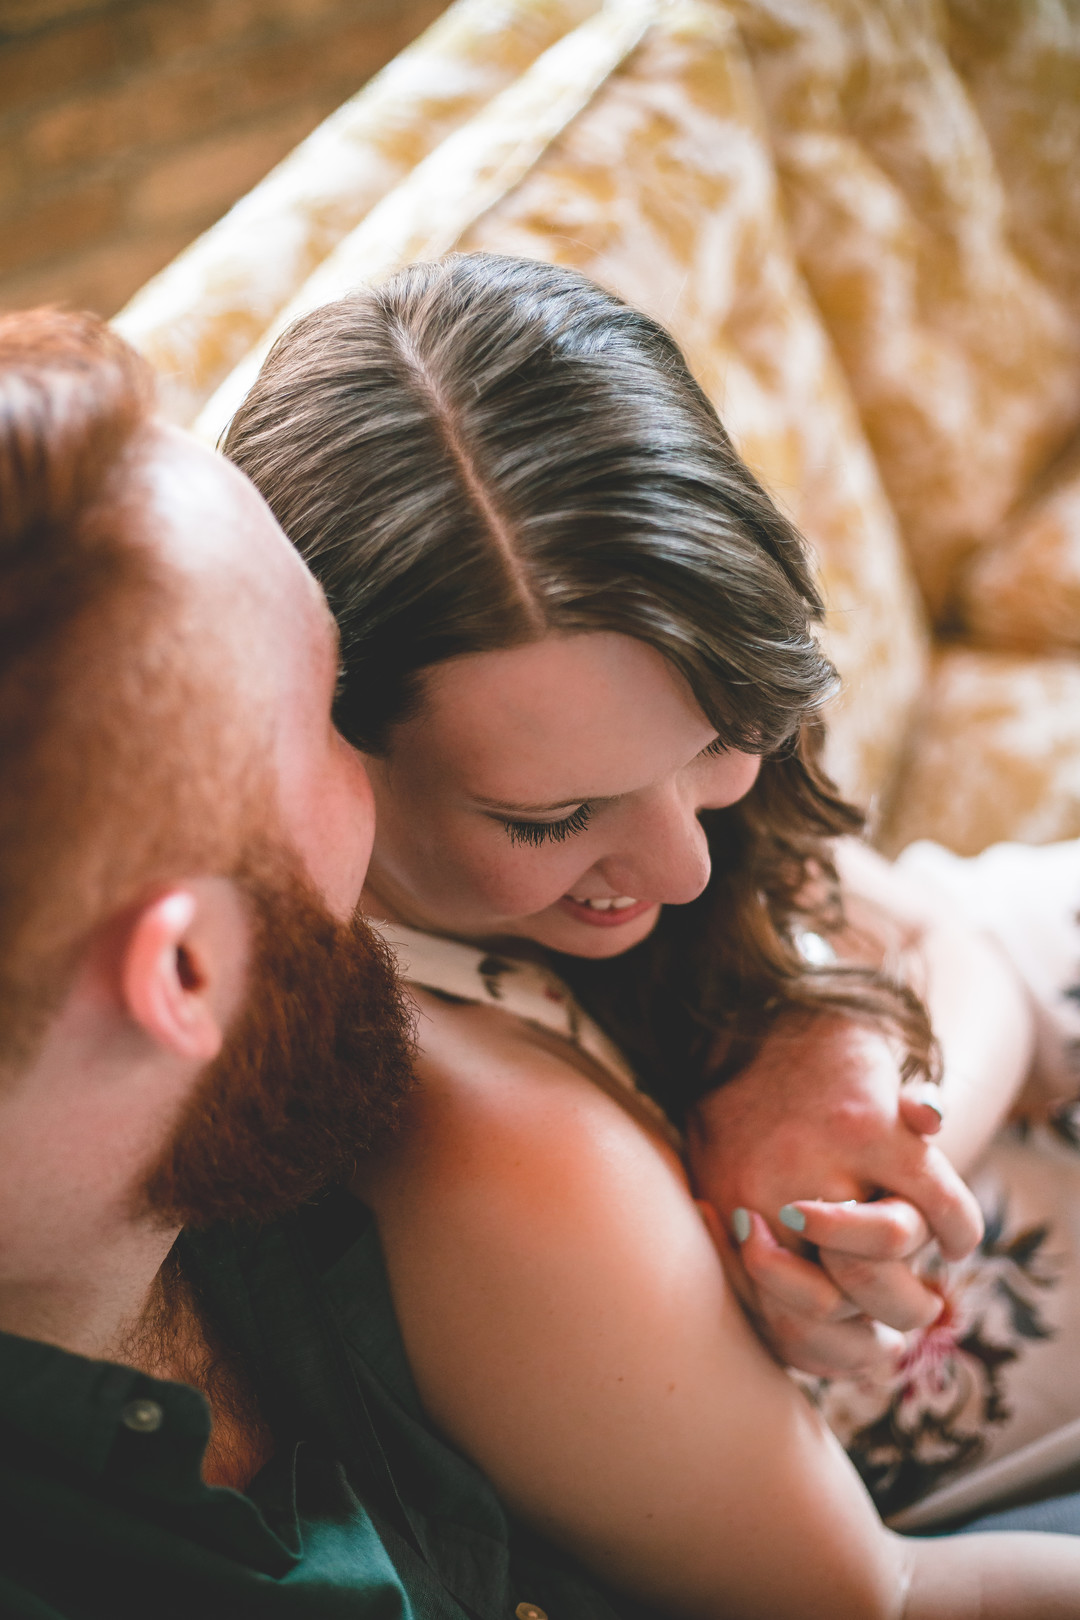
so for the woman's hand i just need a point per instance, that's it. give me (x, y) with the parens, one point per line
(817, 1143)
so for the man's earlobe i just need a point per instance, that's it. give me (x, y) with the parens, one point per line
(164, 980)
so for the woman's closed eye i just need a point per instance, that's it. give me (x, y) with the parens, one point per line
(554, 832)
(543, 832)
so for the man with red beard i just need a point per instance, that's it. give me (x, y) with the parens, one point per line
(194, 1032)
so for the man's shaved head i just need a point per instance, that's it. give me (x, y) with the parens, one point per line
(167, 666)
(122, 763)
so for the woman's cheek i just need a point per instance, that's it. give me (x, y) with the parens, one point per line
(519, 881)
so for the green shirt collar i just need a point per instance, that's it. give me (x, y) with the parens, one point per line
(77, 1407)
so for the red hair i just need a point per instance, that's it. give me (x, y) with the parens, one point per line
(110, 777)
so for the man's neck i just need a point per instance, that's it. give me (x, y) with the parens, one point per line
(140, 1314)
(94, 1307)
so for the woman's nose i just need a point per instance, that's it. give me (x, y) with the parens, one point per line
(664, 854)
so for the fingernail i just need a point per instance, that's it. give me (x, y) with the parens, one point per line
(793, 1218)
(740, 1224)
(927, 1095)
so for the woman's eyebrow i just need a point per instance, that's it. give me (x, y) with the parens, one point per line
(502, 808)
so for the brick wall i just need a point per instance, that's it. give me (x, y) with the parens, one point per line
(128, 126)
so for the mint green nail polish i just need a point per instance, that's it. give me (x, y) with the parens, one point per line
(740, 1224)
(793, 1218)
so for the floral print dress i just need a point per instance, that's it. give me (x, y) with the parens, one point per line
(985, 1402)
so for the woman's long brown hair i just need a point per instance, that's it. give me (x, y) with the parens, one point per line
(481, 452)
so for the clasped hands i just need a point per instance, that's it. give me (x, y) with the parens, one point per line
(818, 1143)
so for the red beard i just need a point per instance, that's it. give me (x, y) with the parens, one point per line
(311, 1077)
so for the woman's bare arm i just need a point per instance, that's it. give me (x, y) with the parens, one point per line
(979, 1010)
(569, 1327)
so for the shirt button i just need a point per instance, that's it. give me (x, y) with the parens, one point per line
(529, 1611)
(145, 1417)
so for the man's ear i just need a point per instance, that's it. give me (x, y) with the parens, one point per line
(182, 965)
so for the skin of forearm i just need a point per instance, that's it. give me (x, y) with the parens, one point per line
(979, 1010)
(1014, 1576)
(984, 1026)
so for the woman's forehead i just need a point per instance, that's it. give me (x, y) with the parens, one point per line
(590, 715)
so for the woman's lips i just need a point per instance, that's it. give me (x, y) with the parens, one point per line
(614, 918)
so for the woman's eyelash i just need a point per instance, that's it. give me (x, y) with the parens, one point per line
(542, 832)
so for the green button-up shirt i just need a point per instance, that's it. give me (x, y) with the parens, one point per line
(104, 1511)
(364, 1511)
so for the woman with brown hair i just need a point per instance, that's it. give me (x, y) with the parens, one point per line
(579, 659)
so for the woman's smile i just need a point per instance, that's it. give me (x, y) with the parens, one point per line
(612, 912)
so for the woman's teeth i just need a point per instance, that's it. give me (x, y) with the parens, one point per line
(619, 903)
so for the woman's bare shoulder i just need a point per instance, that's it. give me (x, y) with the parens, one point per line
(569, 1327)
(491, 1088)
